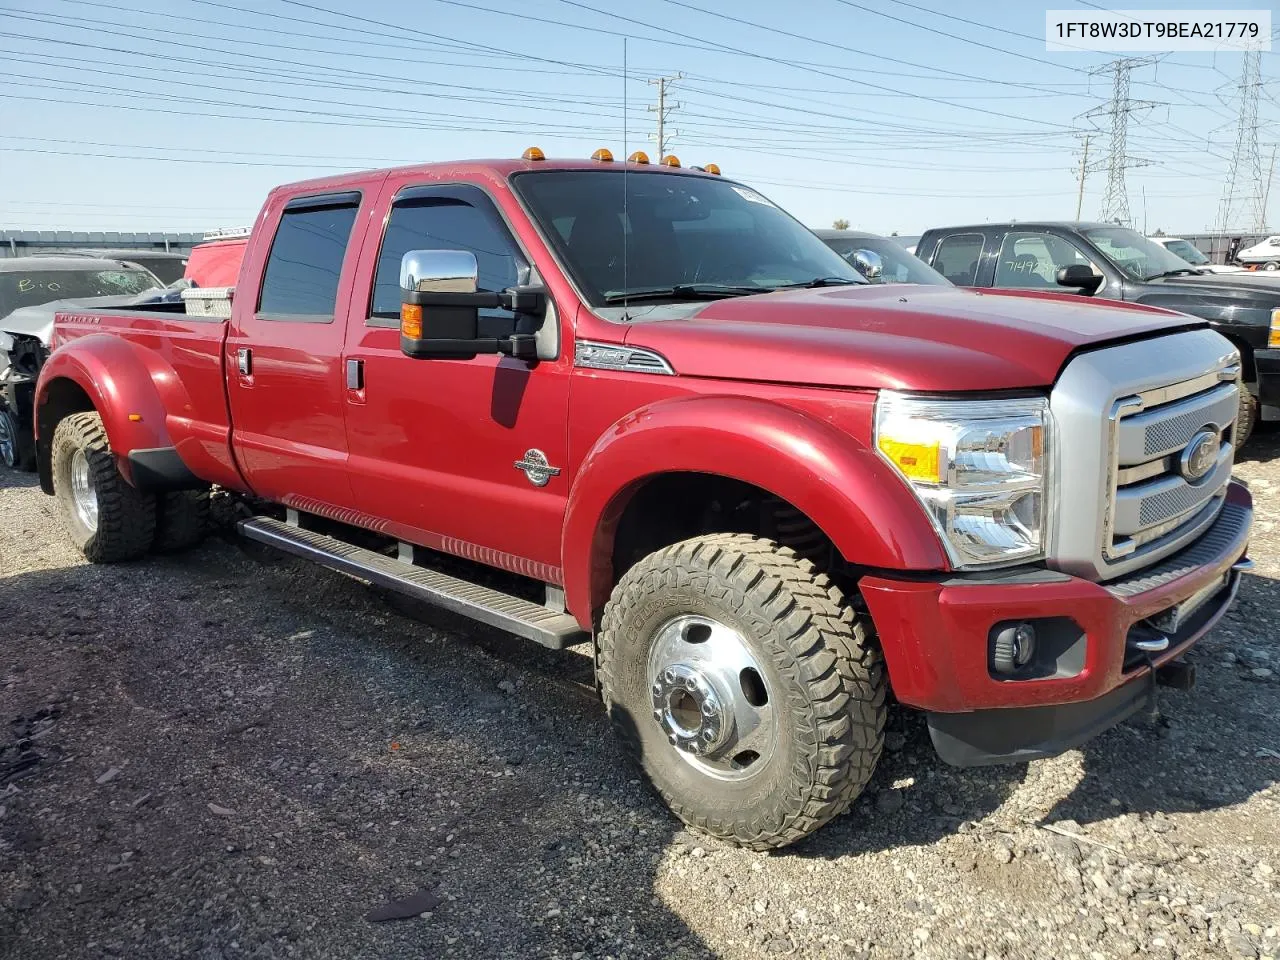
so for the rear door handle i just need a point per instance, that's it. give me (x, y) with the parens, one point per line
(244, 358)
(355, 374)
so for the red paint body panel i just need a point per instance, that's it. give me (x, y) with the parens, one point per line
(165, 367)
(776, 390)
(935, 636)
(894, 336)
(216, 263)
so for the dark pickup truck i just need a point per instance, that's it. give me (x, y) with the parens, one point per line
(1111, 262)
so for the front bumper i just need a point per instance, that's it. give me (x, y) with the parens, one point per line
(1267, 365)
(935, 634)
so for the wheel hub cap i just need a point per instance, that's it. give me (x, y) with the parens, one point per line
(82, 492)
(689, 709)
(710, 698)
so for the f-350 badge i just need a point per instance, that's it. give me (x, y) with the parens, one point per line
(537, 468)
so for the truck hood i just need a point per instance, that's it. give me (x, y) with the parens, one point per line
(904, 337)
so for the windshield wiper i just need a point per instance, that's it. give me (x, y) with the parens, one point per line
(685, 291)
(824, 282)
(1178, 272)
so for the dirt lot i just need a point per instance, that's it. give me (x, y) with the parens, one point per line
(212, 756)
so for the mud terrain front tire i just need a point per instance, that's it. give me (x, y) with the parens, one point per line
(746, 686)
(107, 518)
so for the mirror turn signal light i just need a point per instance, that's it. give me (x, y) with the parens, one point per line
(533, 153)
(411, 320)
(604, 155)
(671, 160)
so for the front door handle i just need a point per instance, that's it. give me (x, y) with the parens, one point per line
(355, 374)
(244, 357)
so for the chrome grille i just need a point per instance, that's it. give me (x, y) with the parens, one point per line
(1158, 504)
(1123, 418)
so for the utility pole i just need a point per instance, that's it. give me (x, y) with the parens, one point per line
(664, 109)
(1115, 202)
(1084, 168)
(1243, 206)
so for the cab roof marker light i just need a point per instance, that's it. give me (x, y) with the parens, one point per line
(604, 155)
(533, 153)
(712, 168)
(671, 160)
(638, 157)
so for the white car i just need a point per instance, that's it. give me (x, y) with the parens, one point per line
(1265, 253)
(1185, 250)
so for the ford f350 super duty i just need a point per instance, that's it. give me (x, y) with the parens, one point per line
(767, 493)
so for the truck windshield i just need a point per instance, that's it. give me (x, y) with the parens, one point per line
(26, 288)
(1133, 253)
(1186, 251)
(690, 236)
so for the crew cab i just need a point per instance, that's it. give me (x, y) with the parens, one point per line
(1110, 262)
(638, 406)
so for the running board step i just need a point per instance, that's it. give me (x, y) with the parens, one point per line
(502, 610)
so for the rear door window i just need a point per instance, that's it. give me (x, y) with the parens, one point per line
(305, 263)
(957, 258)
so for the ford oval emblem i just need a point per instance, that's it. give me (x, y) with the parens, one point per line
(1200, 455)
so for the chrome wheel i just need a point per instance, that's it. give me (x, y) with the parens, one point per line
(710, 698)
(82, 492)
(8, 440)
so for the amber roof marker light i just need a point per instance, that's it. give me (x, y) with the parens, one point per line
(603, 155)
(712, 168)
(671, 160)
(638, 157)
(533, 153)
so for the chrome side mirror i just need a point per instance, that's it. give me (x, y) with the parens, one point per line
(869, 264)
(439, 271)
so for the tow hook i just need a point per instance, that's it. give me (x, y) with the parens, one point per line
(1179, 675)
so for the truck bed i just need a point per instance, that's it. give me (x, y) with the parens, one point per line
(183, 356)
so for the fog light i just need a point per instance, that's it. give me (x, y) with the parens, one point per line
(1012, 646)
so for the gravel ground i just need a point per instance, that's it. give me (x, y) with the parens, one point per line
(217, 755)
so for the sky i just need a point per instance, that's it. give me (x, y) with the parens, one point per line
(895, 115)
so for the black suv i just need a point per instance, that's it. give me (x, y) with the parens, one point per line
(1114, 262)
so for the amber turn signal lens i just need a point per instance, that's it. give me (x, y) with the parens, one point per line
(411, 320)
(604, 155)
(638, 157)
(712, 168)
(533, 153)
(671, 160)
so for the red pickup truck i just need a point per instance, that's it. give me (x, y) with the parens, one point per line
(683, 430)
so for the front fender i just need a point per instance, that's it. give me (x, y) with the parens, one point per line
(131, 387)
(842, 486)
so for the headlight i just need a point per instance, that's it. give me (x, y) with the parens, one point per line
(979, 467)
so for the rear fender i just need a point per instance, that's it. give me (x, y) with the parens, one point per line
(131, 387)
(842, 486)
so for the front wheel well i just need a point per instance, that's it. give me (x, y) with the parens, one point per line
(672, 507)
(62, 397)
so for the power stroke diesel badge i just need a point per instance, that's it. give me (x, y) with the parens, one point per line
(537, 468)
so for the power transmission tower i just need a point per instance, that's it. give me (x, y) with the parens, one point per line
(1115, 202)
(1243, 205)
(663, 109)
